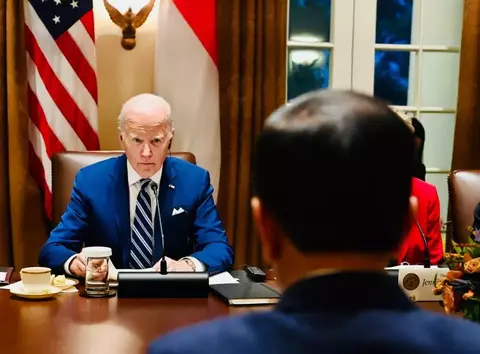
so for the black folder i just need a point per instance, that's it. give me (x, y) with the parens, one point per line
(241, 294)
(8, 276)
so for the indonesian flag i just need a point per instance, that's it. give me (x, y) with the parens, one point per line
(186, 75)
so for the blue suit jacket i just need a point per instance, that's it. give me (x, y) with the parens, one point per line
(98, 215)
(338, 313)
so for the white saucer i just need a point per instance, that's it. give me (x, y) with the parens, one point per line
(19, 291)
(68, 284)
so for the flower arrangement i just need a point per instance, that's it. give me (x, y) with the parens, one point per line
(460, 288)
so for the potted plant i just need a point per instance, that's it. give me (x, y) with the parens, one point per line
(460, 288)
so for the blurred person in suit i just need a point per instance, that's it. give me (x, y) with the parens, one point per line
(328, 222)
(114, 203)
(412, 250)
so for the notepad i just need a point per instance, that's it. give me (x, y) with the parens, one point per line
(222, 278)
(246, 294)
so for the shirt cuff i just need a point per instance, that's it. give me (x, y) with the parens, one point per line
(199, 266)
(66, 265)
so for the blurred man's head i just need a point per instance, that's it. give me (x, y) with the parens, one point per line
(145, 132)
(332, 181)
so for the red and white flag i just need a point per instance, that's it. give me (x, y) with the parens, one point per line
(62, 83)
(186, 75)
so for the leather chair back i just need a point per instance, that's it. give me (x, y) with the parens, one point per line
(464, 195)
(65, 166)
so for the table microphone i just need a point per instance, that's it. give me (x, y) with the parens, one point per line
(426, 261)
(163, 262)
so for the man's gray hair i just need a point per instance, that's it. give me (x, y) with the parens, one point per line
(144, 100)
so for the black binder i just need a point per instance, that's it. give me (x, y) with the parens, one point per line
(241, 294)
(8, 275)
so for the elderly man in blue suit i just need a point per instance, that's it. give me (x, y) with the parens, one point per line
(114, 203)
(329, 230)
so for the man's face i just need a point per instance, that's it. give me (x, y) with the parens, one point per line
(145, 139)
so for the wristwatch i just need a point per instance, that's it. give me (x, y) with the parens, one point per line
(190, 263)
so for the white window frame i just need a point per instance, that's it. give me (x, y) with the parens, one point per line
(341, 41)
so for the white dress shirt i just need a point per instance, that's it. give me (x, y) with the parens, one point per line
(134, 187)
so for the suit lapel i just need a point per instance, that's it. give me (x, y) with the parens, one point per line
(166, 200)
(121, 208)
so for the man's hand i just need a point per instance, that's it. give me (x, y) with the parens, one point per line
(78, 266)
(174, 266)
(97, 270)
(180, 266)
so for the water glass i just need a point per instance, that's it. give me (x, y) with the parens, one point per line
(96, 278)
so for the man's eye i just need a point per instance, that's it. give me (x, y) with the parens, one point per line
(156, 141)
(137, 140)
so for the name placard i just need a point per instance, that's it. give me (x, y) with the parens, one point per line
(418, 282)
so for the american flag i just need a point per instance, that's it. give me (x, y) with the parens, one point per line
(62, 83)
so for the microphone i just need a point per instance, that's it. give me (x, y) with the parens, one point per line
(426, 261)
(163, 262)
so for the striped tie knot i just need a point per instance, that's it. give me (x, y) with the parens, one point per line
(144, 183)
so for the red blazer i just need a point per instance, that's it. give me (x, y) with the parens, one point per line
(428, 216)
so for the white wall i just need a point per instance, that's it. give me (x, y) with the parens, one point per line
(121, 73)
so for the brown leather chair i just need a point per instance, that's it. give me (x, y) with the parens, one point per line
(464, 195)
(65, 166)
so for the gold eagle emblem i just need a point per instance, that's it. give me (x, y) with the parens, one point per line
(129, 22)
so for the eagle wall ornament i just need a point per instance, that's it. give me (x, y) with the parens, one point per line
(129, 22)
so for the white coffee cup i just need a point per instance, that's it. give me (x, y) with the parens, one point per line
(35, 279)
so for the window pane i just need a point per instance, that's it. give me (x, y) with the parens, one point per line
(439, 133)
(439, 180)
(391, 81)
(309, 20)
(439, 75)
(442, 22)
(308, 69)
(394, 21)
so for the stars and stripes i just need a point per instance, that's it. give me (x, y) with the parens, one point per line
(62, 83)
(142, 244)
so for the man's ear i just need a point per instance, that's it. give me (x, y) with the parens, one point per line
(268, 230)
(413, 207)
(171, 138)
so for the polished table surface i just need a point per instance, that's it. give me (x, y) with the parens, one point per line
(74, 324)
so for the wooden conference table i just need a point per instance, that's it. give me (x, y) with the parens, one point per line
(74, 324)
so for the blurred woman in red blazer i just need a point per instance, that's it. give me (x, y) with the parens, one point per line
(412, 250)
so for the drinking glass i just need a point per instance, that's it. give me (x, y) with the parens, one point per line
(96, 278)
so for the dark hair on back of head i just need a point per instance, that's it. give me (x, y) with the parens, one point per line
(335, 168)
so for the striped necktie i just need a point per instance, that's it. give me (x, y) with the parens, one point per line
(142, 245)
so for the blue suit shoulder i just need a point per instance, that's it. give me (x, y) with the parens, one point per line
(101, 167)
(185, 168)
(394, 332)
(219, 336)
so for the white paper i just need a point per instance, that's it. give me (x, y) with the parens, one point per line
(3, 275)
(113, 272)
(407, 266)
(222, 278)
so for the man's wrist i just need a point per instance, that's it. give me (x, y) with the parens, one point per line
(197, 265)
(190, 263)
(67, 264)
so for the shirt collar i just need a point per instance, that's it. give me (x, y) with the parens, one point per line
(134, 177)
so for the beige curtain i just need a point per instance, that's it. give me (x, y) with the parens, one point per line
(23, 228)
(466, 147)
(252, 66)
